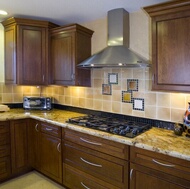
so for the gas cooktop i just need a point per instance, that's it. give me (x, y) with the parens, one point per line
(111, 125)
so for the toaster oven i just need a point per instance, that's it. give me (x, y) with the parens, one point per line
(37, 103)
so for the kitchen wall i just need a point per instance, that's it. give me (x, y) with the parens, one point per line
(157, 105)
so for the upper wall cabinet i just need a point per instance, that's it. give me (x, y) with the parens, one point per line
(171, 45)
(26, 51)
(70, 45)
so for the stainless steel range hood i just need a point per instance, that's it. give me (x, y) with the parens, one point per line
(117, 54)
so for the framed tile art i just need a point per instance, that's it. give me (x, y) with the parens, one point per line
(113, 78)
(106, 89)
(132, 84)
(127, 96)
(138, 104)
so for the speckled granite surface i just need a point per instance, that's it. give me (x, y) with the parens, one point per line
(159, 140)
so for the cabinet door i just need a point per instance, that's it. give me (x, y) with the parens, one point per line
(31, 55)
(19, 146)
(63, 59)
(50, 154)
(33, 144)
(145, 178)
(10, 55)
(170, 45)
(5, 167)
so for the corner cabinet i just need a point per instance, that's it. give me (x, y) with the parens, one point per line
(26, 51)
(44, 149)
(170, 45)
(70, 45)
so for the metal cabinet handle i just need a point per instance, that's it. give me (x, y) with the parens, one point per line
(131, 174)
(163, 164)
(43, 77)
(93, 164)
(36, 127)
(48, 129)
(89, 142)
(73, 76)
(58, 147)
(84, 185)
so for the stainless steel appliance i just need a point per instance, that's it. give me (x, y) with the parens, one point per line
(111, 125)
(37, 103)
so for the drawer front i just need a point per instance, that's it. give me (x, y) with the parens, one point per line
(164, 163)
(51, 129)
(4, 127)
(5, 168)
(109, 169)
(76, 179)
(4, 150)
(4, 138)
(102, 145)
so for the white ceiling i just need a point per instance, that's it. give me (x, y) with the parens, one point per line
(69, 11)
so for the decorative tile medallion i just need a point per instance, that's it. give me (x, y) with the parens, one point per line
(138, 104)
(106, 89)
(132, 84)
(113, 78)
(127, 96)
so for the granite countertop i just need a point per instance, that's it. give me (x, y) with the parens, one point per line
(156, 139)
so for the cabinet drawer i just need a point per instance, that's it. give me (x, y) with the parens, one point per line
(108, 168)
(164, 163)
(4, 150)
(102, 145)
(77, 179)
(4, 127)
(4, 138)
(51, 129)
(5, 168)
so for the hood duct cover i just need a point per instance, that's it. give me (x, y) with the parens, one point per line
(117, 53)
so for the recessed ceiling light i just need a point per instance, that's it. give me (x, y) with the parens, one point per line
(2, 12)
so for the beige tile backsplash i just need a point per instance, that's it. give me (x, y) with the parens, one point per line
(158, 105)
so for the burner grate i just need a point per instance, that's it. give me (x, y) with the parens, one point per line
(111, 125)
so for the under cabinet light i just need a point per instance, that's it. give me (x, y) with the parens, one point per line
(2, 12)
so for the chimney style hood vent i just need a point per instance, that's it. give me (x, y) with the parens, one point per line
(117, 54)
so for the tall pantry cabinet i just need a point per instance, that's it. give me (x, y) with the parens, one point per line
(26, 51)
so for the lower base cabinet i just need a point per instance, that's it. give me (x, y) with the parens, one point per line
(5, 151)
(45, 149)
(144, 178)
(19, 146)
(91, 162)
(150, 170)
(73, 178)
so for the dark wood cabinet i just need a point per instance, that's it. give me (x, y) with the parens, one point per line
(5, 163)
(26, 51)
(94, 159)
(153, 170)
(44, 148)
(70, 45)
(170, 45)
(19, 146)
(50, 151)
(34, 143)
